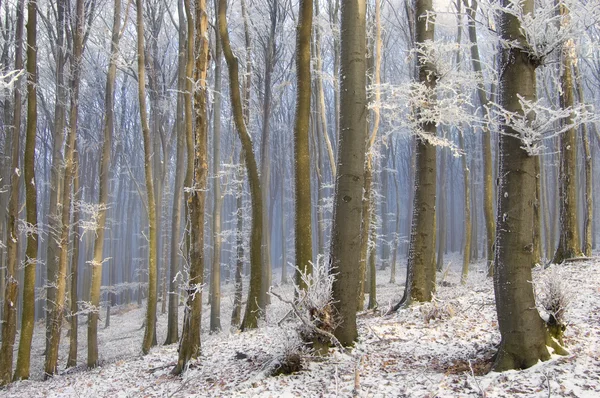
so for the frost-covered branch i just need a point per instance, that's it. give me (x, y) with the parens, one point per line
(538, 121)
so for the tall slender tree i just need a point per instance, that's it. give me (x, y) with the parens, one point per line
(253, 309)
(568, 242)
(347, 213)
(303, 222)
(9, 315)
(31, 252)
(108, 127)
(149, 336)
(173, 312)
(215, 301)
(189, 346)
(58, 307)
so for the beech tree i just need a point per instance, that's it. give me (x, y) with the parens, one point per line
(253, 309)
(9, 313)
(303, 221)
(347, 215)
(31, 252)
(98, 260)
(150, 323)
(524, 337)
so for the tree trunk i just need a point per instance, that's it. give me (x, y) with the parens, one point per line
(108, 127)
(57, 309)
(524, 337)
(31, 252)
(75, 238)
(57, 172)
(189, 346)
(422, 242)
(347, 213)
(467, 196)
(215, 279)
(368, 199)
(488, 189)
(173, 311)
(9, 314)
(589, 202)
(151, 205)
(236, 314)
(442, 214)
(568, 243)
(303, 227)
(253, 310)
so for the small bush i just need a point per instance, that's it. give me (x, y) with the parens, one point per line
(437, 310)
(553, 298)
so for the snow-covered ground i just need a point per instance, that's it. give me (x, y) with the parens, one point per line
(402, 355)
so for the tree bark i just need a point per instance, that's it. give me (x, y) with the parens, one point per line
(215, 279)
(589, 200)
(75, 238)
(422, 242)
(31, 252)
(568, 243)
(347, 214)
(303, 220)
(151, 204)
(253, 310)
(524, 337)
(57, 170)
(173, 311)
(108, 127)
(488, 189)
(9, 314)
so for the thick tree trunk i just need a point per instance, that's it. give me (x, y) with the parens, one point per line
(108, 127)
(347, 213)
(524, 335)
(303, 224)
(9, 314)
(31, 252)
(422, 243)
(253, 310)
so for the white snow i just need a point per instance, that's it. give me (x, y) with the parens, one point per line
(402, 355)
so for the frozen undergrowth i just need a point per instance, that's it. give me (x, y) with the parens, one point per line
(397, 356)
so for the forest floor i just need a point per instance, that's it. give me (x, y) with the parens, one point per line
(401, 355)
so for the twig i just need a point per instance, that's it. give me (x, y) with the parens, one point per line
(152, 370)
(475, 379)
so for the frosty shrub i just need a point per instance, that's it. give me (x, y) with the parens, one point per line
(553, 300)
(437, 310)
(289, 354)
(312, 314)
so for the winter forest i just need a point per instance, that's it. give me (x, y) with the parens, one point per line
(387, 198)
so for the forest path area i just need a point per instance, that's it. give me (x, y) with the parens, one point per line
(439, 349)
